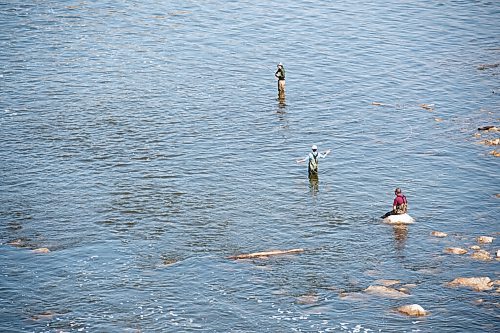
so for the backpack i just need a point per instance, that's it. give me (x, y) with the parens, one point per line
(403, 208)
(313, 163)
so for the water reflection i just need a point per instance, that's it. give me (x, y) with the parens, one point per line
(400, 236)
(281, 102)
(314, 185)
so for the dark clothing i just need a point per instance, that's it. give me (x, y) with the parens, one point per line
(280, 73)
(313, 164)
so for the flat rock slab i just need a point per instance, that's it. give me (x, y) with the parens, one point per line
(385, 292)
(439, 234)
(485, 240)
(455, 250)
(475, 283)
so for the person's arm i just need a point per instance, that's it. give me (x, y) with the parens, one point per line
(303, 159)
(394, 204)
(323, 155)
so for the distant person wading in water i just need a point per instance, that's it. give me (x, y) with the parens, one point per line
(280, 74)
(312, 158)
(399, 206)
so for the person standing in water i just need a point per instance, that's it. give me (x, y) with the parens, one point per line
(312, 159)
(280, 75)
(399, 205)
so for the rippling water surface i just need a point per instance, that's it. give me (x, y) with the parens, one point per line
(142, 144)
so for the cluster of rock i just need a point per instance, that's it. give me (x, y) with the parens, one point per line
(24, 244)
(490, 142)
(482, 283)
(393, 289)
(396, 290)
(477, 252)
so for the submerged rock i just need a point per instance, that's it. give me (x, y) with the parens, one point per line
(482, 255)
(385, 292)
(494, 142)
(387, 283)
(439, 234)
(485, 239)
(412, 310)
(45, 315)
(428, 107)
(482, 67)
(455, 250)
(475, 283)
(18, 243)
(475, 247)
(307, 299)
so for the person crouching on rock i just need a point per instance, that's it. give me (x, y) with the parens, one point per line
(400, 204)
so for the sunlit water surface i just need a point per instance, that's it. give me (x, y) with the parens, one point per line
(142, 144)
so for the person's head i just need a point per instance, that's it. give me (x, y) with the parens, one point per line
(314, 148)
(397, 191)
(280, 65)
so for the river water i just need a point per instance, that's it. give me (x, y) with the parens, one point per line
(142, 144)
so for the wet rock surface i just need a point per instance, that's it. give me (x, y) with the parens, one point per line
(384, 291)
(412, 310)
(482, 255)
(474, 283)
(485, 240)
(455, 250)
(439, 234)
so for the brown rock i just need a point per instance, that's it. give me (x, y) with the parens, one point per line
(439, 234)
(45, 315)
(495, 153)
(475, 247)
(412, 310)
(17, 243)
(475, 283)
(385, 292)
(482, 255)
(485, 240)
(307, 299)
(41, 250)
(455, 250)
(429, 107)
(494, 142)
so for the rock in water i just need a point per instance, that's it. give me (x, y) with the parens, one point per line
(41, 250)
(439, 234)
(412, 310)
(385, 292)
(475, 283)
(481, 255)
(455, 250)
(485, 240)
(399, 219)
